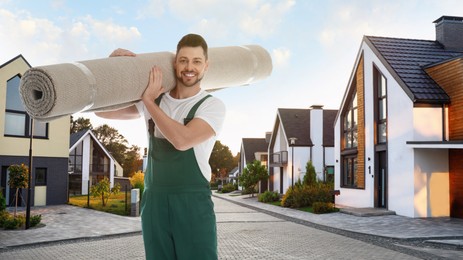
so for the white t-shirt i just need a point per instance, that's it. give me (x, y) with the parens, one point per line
(212, 111)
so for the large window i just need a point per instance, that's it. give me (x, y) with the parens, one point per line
(75, 160)
(350, 143)
(17, 121)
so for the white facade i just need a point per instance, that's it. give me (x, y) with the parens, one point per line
(88, 140)
(284, 174)
(412, 174)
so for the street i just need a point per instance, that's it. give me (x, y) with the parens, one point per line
(243, 233)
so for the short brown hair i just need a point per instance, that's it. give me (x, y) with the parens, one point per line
(192, 40)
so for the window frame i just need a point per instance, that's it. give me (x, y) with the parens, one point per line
(45, 179)
(13, 110)
(349, 148)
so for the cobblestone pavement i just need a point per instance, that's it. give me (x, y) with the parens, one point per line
(244, 232)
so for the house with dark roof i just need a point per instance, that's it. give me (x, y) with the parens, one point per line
(299, 136)
(399, 129)
(254, 149)
(89, 163)
(49, 143)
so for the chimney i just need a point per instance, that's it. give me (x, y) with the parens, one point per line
(449, 32)
(268, 135)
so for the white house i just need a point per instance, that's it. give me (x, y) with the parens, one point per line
(89, 162)
(399, 130)
(299, 136)
(254, 149)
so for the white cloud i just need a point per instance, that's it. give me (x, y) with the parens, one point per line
(28, 36)
(43, 41)
(281, 57)
(255, 18)
(111, 32)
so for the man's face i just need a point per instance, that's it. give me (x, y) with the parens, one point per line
(190, 65)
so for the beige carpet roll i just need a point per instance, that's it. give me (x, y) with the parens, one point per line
(52, 91)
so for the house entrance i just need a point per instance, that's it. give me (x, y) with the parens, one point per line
(281, 180)
(381, 181)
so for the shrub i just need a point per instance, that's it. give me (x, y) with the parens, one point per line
(138, 181)
(269, 196)
(3, 216)
(14, 222)
(310, 176)
(229, 187)
(35, 220)
(305, 195)
(323, 207)
(2, 202)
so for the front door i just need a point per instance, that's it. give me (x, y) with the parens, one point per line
(281, 180)
(381, 181)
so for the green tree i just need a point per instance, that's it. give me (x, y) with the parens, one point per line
(132, 161)
(18, 179)
(221, 161)
(252, 174)
(113, 141)
(102, 189)
(80, 124)
(310, 176)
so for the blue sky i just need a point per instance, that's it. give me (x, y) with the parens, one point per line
(313, 44)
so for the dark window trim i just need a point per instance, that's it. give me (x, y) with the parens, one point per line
(377, 75)
(27, 119)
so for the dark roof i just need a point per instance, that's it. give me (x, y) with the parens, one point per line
(328, 127)
(296, 123)
(253, 145)
(74, 137)
(15, 58)
(405, 60)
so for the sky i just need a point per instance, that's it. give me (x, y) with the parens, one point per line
(313, 44)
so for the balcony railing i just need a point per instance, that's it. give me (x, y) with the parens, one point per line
(279, 159)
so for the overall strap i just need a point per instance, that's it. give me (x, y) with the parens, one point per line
(150, 121)
(192, 112)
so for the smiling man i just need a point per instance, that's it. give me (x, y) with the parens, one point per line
(178, 219)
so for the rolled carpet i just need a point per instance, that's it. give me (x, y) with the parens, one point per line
(50, 92)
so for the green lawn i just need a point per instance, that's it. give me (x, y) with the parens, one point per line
(115, 204)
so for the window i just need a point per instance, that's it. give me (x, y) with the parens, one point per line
(381, 115)
(40, 176)
(17, 121)
(350, 125)
(350, 143)
(75, 160)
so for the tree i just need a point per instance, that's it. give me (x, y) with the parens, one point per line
(221, 161)
(80, 124)
(310, 176)
(102, 189)
(252, 174)
(138, 181)
(132, 161)
(18, 179)
(113, 141)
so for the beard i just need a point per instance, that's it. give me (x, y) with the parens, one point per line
(189, 83)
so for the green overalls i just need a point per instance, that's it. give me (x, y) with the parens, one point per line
(178, 219)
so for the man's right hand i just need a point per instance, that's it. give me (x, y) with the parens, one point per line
(122, 52)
